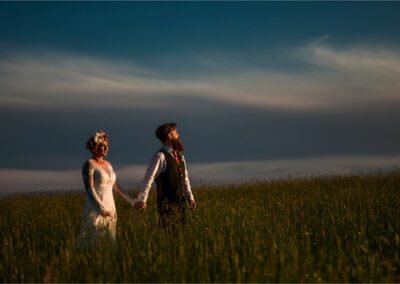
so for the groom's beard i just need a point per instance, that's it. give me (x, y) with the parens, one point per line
(177, 145)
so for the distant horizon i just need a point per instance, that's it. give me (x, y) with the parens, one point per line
(25, 181)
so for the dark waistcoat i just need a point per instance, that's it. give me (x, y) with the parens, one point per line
(170, 183)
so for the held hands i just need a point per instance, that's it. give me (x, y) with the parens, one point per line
(106, 213)
(137, 204)
(140, 205)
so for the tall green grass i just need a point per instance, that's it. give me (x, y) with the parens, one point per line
(326, 229)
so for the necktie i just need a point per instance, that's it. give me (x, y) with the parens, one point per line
(175, 154)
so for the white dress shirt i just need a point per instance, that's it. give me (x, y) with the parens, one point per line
(157, 166)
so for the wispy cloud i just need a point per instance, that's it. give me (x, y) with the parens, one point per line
(203, 174)
(363, 75)
(356, 59)
(333, 78)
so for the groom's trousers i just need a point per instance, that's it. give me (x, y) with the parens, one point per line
(171, 214)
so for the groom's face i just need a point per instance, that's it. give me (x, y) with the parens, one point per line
(173, 135)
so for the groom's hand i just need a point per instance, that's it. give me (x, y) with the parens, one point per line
(192, 204)
(140, 205)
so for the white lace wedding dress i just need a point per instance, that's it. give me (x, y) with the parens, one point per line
(99, 197)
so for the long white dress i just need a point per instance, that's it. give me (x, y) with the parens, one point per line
(99, 196)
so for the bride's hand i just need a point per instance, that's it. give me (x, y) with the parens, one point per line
(106, 213)
(132, 202)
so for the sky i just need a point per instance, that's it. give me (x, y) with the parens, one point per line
(259, 90)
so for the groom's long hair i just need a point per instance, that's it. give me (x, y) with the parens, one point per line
(162, 134)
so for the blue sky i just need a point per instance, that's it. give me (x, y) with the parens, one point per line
(249, 83)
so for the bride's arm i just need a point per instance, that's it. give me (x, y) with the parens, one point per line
(118, 188)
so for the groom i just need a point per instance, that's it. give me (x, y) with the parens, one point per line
(168, 169)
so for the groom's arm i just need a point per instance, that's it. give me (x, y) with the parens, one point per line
(155, 167)
(188, 188)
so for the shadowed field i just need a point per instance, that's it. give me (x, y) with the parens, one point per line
(326, 229)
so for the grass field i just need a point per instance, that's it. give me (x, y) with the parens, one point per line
(324, 229)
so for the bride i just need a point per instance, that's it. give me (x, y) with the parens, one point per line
(99, 213)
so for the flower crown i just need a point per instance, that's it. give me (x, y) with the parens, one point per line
(95, 140)
(100, 137)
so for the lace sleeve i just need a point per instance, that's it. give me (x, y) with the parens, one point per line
(88, 181)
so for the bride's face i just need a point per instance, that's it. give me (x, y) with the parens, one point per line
(102, 149)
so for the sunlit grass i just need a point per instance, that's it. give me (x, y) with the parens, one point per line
(326, 229)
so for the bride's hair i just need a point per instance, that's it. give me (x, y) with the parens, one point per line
(94, 141)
